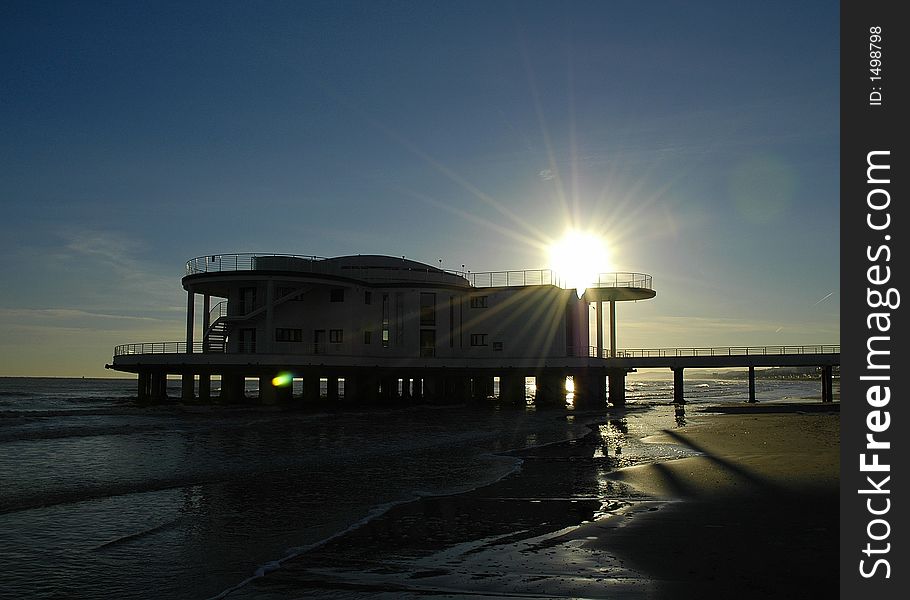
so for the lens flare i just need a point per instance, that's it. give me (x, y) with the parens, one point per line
(282, 380)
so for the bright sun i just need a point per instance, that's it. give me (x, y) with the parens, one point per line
(577, 258)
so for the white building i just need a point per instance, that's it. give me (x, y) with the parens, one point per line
(389, 327)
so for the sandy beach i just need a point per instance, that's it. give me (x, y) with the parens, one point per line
(754, 515)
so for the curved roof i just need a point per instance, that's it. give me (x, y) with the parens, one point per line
(378, 261)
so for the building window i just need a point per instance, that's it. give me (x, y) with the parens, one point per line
(368, 297)
(283, 334)
(336, 336)
(478, 301)
(427, 342)
(427, 308)
(336, 295)
(478, 339)
(367, 337)
(385, 321)
(497, 346)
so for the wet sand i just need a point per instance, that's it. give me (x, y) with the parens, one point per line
(754, 516)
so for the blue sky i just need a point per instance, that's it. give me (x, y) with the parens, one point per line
(700, 139)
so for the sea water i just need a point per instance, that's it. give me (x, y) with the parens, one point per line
(103, 498)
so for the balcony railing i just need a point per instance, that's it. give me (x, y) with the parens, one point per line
(219, 263)
(551, 277)
(589, 351)
(317, 265)
(724, 351)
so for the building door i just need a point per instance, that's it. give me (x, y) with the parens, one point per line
(427, 342)
(319, 341)
(247, 339)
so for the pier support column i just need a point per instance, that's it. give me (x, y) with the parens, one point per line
(310, 386)
(144, 393)
(434, 389)
(678, 397)
(190, 319)
(613, 328)
(458, 389)
(551, 389)
(481, 388)
(599, 312)
(232, 388)
(159, 387)
(752, 385)
(269, 393)
(590, 390)
(512, 389)
(617, 379)
(388, 389)
(205, 387)
(406, 389)
(187, 387)
(361, 388)
(331, 389)
(827, 384)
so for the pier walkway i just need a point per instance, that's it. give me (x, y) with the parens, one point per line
(451, 380)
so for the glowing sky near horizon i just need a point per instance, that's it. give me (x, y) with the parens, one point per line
(700, 140)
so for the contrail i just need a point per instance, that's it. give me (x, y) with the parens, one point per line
(825, 298)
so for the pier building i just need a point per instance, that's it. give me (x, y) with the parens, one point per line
(385, 328)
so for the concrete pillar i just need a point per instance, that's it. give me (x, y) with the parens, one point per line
(206, 314)
(551, 388)
(590, 389)
(434, 389)
(362, 388)
(481, 388)
(599, 310)
(331, 389)
(617, 379)
(187, 387)
(144, 393)
(159, 387)
(232, 388)
(388, 389)
(458, 389)
(190, 319)
(613, 328)
(311, 386)
(827, 384)
(678, 397)
(205, 387)
(512, 389)
(272, 394)
(752, 384)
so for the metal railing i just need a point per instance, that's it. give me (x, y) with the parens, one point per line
(514, 278)
(155, 348)
(294, 348)
(218, 263)
(590, 351)
(551, 277)
(317, 265)
(622, 280)
(218, 311)
(725, 351)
